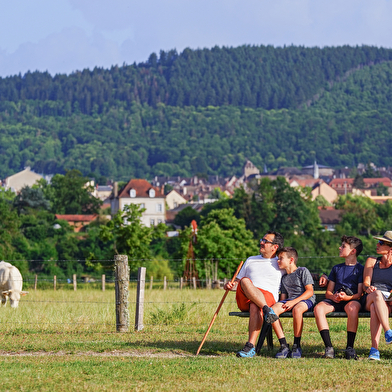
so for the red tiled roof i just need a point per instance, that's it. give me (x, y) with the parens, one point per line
(141, 187)
(368, 181)
(77, 218)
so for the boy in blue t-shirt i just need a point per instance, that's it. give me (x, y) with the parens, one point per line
(343, 294)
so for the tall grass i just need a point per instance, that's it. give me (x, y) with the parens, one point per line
(66, 340)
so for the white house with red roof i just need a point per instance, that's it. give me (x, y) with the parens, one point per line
(147, 196)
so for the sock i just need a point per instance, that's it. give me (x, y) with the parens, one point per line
(326, 337)
(297, 341)
(350, 338)
(283, 341)
(266, 309)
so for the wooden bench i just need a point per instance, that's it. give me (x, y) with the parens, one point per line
(266, 330)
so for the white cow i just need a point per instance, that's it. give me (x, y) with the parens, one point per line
(11, 282)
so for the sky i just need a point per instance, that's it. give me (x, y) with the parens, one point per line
(63, 36)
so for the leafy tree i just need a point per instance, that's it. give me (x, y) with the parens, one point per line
(30, 198)
(10, 236)
(370, 172)
(159, 268)
(70, 195)
(186, 216)
(168, 188)
(321, 201)
(359, 183)
(129, 236)
(382, 190)
(359, 216)
(7, 194)
(216, 193)
(224, 239)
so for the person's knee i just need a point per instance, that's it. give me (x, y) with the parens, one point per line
(352, 309)
(318, 309)
(298, 311)
(245, 282)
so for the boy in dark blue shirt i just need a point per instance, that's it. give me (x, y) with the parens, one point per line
(343, 294)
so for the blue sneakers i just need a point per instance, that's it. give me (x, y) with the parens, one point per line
(296, 352)
(284, 352)
(248, 351)
(388, 336)
(270, 316)
(374, 354)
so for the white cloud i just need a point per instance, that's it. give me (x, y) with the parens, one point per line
(70, 50)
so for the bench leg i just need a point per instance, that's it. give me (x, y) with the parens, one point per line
(266, 332)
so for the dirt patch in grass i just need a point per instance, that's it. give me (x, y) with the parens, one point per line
(114, 353)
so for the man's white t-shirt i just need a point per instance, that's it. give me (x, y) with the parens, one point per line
(264, 274)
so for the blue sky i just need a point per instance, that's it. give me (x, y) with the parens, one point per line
(62, 36)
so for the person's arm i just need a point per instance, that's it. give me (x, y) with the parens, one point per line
(329, 293)
(368, 274)
(304, 296)
(282, 297)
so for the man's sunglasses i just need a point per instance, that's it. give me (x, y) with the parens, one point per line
(384, 243)
(266, 241)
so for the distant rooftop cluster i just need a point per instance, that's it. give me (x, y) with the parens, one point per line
(164, 197)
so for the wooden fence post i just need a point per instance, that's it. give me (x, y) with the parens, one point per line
(194, 282)
(74, 282)
(122, 291)
(181, 283)
(103, 279)
(164, 283)
(35, 282)
(141, 281)
(54, 282)
(151, 281)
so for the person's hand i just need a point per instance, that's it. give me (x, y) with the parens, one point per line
(229, 286)
(370, 289)
(323, 281)
(288, 305)
(337, 297)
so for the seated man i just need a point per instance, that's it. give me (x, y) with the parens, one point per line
(258, 286)
(297, 295)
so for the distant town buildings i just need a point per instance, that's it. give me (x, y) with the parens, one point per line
(196, 191)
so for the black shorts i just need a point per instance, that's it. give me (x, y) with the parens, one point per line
(339, 306)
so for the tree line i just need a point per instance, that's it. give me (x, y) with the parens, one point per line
(252, 76)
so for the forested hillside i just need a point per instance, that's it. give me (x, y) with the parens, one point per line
(202, 111)
(252, 76)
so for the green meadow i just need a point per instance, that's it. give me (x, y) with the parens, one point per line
(65, 340)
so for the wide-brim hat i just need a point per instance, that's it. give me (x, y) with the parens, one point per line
(386, 237)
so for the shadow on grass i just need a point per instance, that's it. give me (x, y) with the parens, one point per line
(218, 348)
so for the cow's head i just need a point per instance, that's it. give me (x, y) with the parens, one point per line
(14, 296)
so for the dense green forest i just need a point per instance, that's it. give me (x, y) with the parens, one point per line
(251, 76)
(202, 111)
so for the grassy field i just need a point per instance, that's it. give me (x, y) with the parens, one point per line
(66, 340)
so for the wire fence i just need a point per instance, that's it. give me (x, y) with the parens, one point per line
(69, 302)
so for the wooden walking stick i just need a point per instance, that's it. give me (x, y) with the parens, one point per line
(218, 309)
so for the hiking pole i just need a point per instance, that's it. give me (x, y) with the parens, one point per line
(218, 309)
